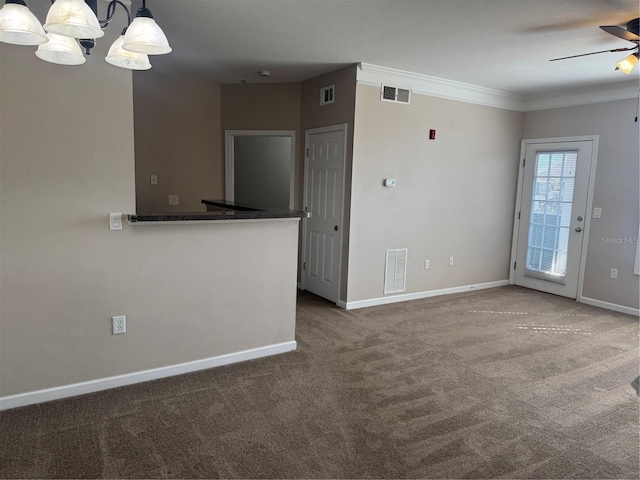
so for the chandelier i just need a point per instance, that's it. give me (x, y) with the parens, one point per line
(72, 24)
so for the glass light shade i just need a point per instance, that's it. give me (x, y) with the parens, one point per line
(20, 27)
(73, 18)
(61, 50)
(628, 63)
(120, 57)
(145, 36)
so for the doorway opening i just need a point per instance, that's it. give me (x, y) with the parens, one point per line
(259, 168)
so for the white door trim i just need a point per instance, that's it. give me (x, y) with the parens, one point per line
(342, 127)
(229, 157)
(589, 209)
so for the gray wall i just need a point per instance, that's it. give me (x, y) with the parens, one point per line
(179, 139)
(67, 160)
(616, 191)
(455, 195)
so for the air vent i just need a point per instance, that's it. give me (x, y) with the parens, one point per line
(327, 95)
(389, 93)
(395, 271)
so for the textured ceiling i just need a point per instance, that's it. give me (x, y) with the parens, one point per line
(500, 44)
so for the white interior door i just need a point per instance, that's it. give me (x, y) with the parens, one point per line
(324, 199)
(553, 216)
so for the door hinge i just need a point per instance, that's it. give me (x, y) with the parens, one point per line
(518, 215)
(307, 153)
(304, 265)
(523, 160)
(514, 265)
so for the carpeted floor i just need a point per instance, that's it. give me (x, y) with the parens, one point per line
(500, 383)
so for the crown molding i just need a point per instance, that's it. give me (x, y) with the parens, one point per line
(375, 75)
(582, 96)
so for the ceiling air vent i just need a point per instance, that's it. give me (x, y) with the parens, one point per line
(395, 94)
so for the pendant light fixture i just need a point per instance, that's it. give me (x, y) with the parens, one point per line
(145, 36)
(626, 65)
(19, 26)
(120, 57)
(61, 50)
(73, 18)
(74, 23)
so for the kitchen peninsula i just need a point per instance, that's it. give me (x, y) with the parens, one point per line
(228, 277)
(218, 210)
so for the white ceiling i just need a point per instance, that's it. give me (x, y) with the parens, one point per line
(499, 44)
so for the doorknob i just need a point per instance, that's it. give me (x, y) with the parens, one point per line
(579, 219)
(336, 228)
(578, 229)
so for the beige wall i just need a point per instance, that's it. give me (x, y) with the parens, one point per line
(67, 160)
(341, 111)
(273, 106)
(455, 195)
(615, 191)
(178, 138)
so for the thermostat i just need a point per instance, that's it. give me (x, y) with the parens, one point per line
(389, 182)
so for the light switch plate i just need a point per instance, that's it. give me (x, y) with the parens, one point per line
(115, 221)
(597, 212)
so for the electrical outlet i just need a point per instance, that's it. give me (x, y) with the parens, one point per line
(450, 261)
(119, 325)
(614, 273)
(427, 264)
(174, 200)
(154, 179)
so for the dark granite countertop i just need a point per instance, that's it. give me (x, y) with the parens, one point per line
(224, 211)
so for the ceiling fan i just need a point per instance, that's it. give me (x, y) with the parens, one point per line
(630, 34)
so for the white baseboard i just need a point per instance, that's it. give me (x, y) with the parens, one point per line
(415, 296)
(342, 304)
(91, 386)
(610, 306)
(300, 286)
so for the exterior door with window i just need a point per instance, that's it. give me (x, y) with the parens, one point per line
(553, 211)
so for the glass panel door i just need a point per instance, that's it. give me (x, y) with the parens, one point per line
(550, 219)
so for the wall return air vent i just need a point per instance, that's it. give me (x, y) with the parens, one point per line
(389, 93)
(395, 271)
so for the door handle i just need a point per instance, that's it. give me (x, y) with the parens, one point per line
(336, 228)
(578, 229)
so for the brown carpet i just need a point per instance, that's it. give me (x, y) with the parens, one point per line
(501, 383)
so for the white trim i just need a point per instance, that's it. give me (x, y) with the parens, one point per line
(342, 304)
(229, 156)
(416, 296)
(582, 96)
(341, 127)
(610, 306)
(376, 76)
(38, 396)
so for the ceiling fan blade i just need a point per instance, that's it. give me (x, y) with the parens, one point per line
(595, 53)
(620, 33)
